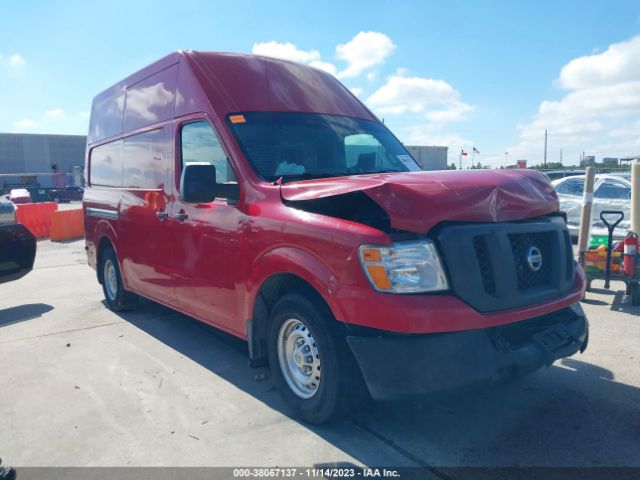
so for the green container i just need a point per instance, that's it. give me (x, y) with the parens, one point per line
(596, 240)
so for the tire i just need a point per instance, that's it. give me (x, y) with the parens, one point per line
(117, 298)
(332, 390)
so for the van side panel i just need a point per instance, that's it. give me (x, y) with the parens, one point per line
(145, 242)
(106, 115)
(151, 100)
(190, 96)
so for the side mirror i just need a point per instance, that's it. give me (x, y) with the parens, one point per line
(198, 183)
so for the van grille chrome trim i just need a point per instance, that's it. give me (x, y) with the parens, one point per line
(102, 213)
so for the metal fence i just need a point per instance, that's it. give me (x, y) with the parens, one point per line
(44, 187)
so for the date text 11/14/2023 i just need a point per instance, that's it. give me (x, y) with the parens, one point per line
(315, 472)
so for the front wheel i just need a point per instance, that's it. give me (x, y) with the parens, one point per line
(118, 299)
(310, 362)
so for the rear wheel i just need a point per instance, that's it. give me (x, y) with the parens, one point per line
(310, 361)
(118, 299)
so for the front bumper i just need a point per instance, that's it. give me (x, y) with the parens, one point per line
(396, 366)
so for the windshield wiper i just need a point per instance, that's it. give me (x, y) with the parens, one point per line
(307, 176)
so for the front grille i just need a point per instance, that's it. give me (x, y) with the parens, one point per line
(520, 333)
(482, 254)
(521, 243)
(490, 265)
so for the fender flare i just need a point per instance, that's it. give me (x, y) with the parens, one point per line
(291, 261)
(295, 261)
(104, 229)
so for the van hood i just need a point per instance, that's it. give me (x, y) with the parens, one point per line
(417, 201)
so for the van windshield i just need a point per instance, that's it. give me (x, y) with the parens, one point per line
(296, 146)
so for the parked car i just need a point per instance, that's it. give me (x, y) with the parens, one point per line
(20, 195)
(556, 174)
(262, 197)
(610, 192)
(66, 194)
(17, 244)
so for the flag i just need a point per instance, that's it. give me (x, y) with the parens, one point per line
(463, 153)
(475, 150)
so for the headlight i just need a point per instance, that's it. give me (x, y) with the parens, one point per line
(404, 267)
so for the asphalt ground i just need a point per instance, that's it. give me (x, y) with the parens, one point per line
(83, 386)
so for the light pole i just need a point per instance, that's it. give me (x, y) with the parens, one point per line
(506, 155)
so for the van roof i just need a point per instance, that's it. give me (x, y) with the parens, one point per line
(190, 81)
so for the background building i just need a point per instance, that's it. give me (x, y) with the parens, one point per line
(588, 161)
(25, 153)
(429, 157)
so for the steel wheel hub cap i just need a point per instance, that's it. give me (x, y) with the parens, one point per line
(299, 358)
(110, 279)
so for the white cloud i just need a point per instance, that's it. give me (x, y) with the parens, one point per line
(54, 113)
(453, 112)
(364, 51)
(427, 135)
(416, 94)
(24, 123)
(619, 63)
(326, 66)
(16, 59)
(357, 91)
(602, 105)
(286, 51)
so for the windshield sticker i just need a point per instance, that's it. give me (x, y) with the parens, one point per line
(406, 160)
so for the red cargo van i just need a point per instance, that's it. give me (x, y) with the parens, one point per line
(261, 197)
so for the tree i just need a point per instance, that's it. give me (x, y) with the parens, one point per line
(549, 166)
(452, 167)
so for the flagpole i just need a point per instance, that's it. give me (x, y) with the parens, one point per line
(460, 160)
(473, 156)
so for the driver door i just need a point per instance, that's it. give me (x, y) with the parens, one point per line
(207, 236)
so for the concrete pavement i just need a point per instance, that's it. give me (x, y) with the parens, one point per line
(83, 386)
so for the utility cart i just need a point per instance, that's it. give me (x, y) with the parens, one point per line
(613, 259)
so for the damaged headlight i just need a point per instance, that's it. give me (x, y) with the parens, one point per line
(404, 267)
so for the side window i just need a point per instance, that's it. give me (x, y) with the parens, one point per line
(573, 186)
(106, 165)
(200, 144)
(613, 190)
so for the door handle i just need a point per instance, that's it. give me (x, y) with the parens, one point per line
(162, 215)
(180, 216)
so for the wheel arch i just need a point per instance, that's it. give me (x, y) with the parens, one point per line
(280, 272)
(106, 239)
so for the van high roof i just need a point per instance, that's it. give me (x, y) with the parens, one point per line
(186, 82)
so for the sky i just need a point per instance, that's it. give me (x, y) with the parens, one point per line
(486, 74)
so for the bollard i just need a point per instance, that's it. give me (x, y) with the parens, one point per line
(635, 198)
(585, 217)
